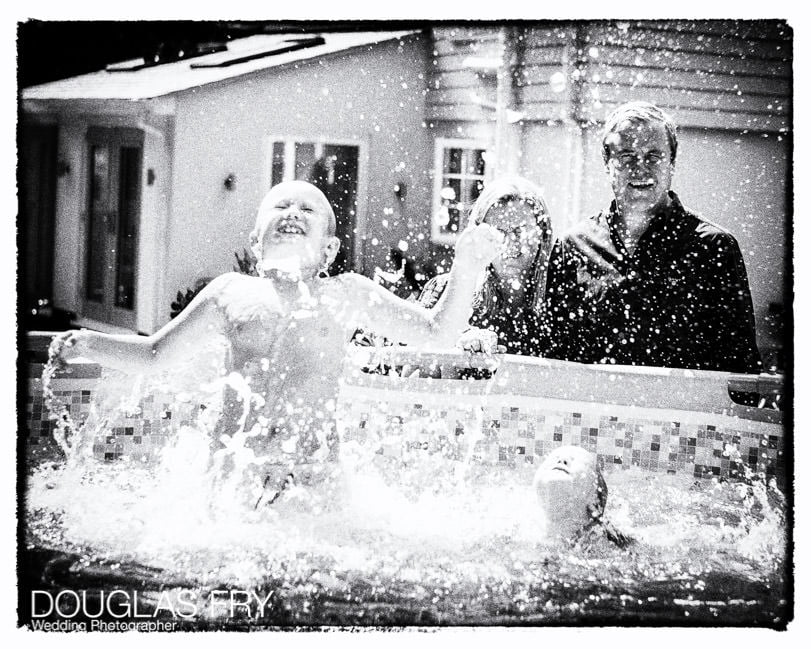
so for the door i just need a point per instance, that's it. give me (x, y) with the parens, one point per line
(112, 224)
(336, 174)
(37, 186)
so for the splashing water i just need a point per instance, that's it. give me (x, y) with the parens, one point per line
(421, 538)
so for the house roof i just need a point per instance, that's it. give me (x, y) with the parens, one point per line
(244, 55)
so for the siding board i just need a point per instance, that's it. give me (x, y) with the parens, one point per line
(540, 74)
(667, 98)
(458, 113)
(555, 54)
(726, 45)
(698, 118)
(535, 36)
(541, 93)
(474, 47)
(543, 112)
(458, 79)
(642, 57)
(680, 79)
(460, 96)
(757, 29)
(453, 63)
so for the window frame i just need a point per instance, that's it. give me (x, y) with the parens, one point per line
(319, 142)
(441, 144)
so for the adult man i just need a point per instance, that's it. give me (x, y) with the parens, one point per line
(647, 282)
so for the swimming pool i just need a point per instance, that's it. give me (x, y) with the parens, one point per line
(438, 524)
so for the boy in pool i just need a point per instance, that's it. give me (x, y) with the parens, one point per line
(288, 331)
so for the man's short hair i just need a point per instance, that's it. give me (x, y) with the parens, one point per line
(640, 111)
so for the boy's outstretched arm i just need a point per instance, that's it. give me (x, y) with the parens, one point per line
(176, 341)
(383, 313)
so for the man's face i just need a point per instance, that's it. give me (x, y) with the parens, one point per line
(639, 165)
(516, 220)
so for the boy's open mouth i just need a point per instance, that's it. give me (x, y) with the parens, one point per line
(290, 227)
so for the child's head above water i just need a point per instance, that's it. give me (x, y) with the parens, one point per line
(570, 489)
(295, 226)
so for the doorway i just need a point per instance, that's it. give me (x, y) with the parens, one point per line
(37, 209)
(112, 225)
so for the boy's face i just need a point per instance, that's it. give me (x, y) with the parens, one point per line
(568, 464)
(293, 227)
(568, 483)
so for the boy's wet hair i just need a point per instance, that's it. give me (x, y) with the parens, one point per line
(640, 111)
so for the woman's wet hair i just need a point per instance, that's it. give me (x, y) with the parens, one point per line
(595, 510)
(508, 188)
(516, 188)
(640, 111)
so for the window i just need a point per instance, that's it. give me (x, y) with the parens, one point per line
(458, 180)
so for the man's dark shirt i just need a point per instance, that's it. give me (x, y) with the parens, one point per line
(680, 300)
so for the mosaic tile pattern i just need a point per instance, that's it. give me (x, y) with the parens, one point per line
(138, 435)
(40, 443)
(512, 436)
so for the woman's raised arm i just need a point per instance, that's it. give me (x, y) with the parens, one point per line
(377, 310)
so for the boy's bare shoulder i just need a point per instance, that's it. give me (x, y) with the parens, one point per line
(231, 287)
(354, 286)
(227, 281)
(352, 279)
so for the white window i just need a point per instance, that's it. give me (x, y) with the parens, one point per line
(459, 169)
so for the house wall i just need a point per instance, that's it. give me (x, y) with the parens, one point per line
(728, 74)
(70, 188)
(375, 97)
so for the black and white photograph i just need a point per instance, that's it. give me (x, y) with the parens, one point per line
(405, 324)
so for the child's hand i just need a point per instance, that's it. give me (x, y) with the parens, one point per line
(482, 341)
(67, 345)
(477, 246)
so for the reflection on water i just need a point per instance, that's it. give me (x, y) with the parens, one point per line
(423, 539)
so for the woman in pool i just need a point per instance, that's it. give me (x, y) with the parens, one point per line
(287, 330)
(511, 291)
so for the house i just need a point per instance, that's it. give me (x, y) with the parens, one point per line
(147, 177)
